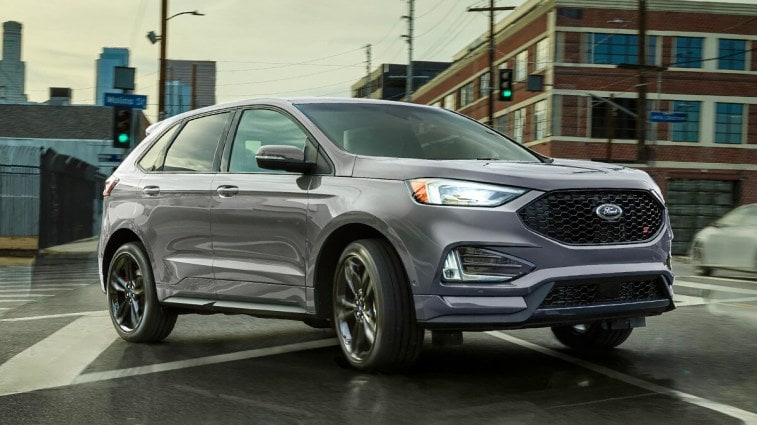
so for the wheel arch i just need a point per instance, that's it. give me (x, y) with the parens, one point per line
(328, 256)
(118, 238)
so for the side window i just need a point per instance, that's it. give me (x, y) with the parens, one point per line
(152, 159)
(195, 147)
(261, 127)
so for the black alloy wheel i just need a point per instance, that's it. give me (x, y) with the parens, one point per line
(132, 301)
(373, 312)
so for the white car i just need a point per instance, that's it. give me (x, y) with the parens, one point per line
(729, 243)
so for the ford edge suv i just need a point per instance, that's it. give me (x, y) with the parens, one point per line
(382, 220)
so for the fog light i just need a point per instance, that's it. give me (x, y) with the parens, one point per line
(470, 264)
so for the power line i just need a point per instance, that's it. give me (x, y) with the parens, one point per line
(281, 79)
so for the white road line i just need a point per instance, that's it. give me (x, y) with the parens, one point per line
(58, 359)
(56, 316)
(734, 412)
(688, 301)
(9, 291)
(204, 361)
(59, 287)
(16, 301)
(24, 294)
(718, 288)
(729, 279)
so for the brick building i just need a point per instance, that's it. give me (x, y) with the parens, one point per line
(703, 69)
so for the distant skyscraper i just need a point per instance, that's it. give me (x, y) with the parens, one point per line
(197, 75)
(12, 70)
(110, 58)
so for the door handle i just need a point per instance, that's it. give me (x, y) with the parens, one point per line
(227, 191)
(151, 190)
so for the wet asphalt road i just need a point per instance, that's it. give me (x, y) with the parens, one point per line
(60, 362)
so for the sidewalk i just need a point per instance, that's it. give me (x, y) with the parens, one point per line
(83, 246)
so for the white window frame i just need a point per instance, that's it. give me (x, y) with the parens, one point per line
(519, 121)
(542, 54)
(540, 120)
(521, 66)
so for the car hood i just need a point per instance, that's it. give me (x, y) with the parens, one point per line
(559, 174)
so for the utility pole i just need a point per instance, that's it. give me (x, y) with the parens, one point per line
(368, 72)
(162, 77)
(491, 9)
(641, 121)
(409, 37)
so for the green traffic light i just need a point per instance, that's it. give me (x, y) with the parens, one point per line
(507, 93)
(123, 138)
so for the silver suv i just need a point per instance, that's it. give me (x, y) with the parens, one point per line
(381, 219)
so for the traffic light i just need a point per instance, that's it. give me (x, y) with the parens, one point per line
(122, 127)
(506, 84)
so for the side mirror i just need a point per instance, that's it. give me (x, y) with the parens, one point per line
(282, 157)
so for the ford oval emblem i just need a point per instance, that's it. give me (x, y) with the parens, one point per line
(609, 212)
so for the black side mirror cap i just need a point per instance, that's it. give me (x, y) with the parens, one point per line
(283, 157)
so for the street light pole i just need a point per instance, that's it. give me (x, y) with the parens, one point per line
(162, 76)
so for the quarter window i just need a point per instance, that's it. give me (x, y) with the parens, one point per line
(153, 158)
(195, 147)
(261, 127)
(729, 120)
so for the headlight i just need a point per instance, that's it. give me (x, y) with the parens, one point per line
(461, 193)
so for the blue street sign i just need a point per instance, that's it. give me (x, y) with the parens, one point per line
(657, 116)
(110, 157)
(136, 101)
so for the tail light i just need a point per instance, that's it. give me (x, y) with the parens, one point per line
(109, 185)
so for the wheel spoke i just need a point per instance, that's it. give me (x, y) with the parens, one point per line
(134, 314)
(351, 275)
(369, 329)
(121, 313)
(118, 283)
(358, 336)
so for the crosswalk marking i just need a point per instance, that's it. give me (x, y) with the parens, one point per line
(25, 295)
(717, 288)
(58, 359)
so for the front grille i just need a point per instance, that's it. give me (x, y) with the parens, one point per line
(582, 294)
(570, 217)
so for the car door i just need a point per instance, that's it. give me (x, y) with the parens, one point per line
(258, 217)
(175, 195)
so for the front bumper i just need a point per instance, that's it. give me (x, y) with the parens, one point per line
(555, 297)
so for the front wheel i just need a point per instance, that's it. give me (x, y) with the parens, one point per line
(590, 336)
(373, 312)
(132, 300)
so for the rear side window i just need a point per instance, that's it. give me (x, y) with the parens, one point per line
(195, 147)
(152, 159)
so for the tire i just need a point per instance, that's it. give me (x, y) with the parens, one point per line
(374, 316)
(132, 299)
(590, 337)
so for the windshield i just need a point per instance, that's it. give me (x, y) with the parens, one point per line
(405, 131)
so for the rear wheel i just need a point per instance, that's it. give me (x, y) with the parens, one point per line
(373, 312)
(590, 336)
(132, 300)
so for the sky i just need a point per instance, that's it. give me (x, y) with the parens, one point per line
(262, 47)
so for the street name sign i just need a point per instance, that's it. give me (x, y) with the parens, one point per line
(136, 101)
(658, 116)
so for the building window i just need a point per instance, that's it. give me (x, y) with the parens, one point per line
(484, 85)
(519, 121)
(540, 120)
(542, 54)
(521, 65)
(500, 124)
(449, 101)
(603, 118)
(729, 123)
(686, 131)
(466, 94)
(614, 49)
(731, 54)
(688, 52)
